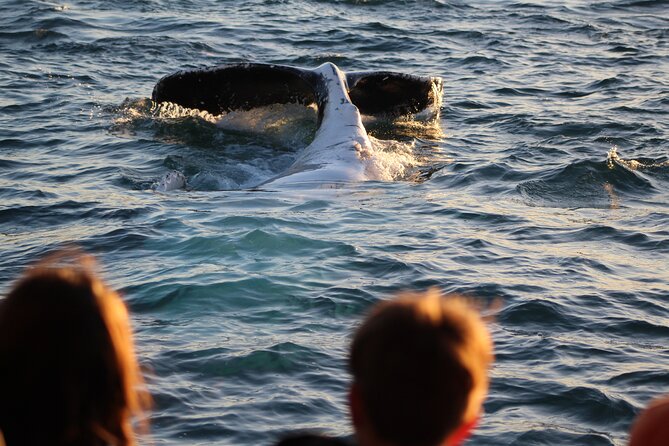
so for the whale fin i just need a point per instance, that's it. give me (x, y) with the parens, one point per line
(393, 94)
(246, 86)
(239, 87)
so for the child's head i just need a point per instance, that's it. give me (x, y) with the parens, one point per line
(68, 373)
(420, 370)
(651, 427)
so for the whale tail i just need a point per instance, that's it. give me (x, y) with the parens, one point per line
(246, 86)
(393, 94)
(341, 149)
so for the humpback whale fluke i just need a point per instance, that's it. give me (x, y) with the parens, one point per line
(341, 144)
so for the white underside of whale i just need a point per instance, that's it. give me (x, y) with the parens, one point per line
(340, 146)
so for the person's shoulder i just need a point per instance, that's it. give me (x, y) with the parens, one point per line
(307, 439)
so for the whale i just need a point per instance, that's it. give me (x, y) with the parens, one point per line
(341, 145)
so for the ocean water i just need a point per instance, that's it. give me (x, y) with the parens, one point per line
(543, 185)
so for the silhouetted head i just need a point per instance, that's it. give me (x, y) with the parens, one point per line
(420, 371)
(68, 373)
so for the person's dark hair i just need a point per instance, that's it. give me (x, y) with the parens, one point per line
(420, 363)
(68, 373)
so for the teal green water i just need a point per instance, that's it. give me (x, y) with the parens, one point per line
(549, 193)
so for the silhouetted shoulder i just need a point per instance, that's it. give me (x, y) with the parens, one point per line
(311, 440)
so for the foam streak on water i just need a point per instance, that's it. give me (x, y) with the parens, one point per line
(543, 183)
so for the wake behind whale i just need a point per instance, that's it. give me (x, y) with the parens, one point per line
(341, 150)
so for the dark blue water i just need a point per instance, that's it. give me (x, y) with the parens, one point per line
(549, 193)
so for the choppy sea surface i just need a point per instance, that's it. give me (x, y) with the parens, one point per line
(543, 185)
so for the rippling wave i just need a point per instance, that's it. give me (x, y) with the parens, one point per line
(541, 185)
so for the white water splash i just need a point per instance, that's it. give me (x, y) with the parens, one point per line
(613, 159)
(389, 160)
(172, 180)
(287, 124)
(132, 110)
(291, 127)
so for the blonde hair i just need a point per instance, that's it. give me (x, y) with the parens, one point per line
(68, 371)
(421, 364)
